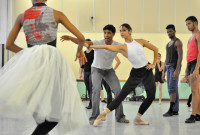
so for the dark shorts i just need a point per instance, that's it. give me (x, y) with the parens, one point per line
(191, 66)
(158, 78)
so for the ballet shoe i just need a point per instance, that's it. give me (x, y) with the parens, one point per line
(101, 117)
(140, 122)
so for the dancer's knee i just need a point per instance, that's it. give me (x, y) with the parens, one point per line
(151, 97)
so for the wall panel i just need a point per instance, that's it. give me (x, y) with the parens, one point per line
(134, 14)
(117, 13)
(166, 14)
(70, 10)
(101, 14)
(182, 12)
(195, 8)
(85, 14)
(150, 16)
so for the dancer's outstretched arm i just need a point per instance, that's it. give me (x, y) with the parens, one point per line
(114, 48)
(61, 18)
(74, 40)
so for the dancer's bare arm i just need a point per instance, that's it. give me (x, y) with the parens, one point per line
(160, 68)
(151, 47)
(10, 45)
(114, 48)
(164, 71)
(195, 73)
(180, 57)
(81, 72)
(118, 63)
(74, 40)
(186, 75)
(61, 18)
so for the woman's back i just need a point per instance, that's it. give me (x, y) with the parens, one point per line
(39, 25)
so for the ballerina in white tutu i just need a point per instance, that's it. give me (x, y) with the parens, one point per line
(42, 83)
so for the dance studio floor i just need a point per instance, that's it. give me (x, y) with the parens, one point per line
(159, 125)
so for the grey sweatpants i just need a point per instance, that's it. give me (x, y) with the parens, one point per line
(110, 77)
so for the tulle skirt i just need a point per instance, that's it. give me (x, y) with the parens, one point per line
(38, 82)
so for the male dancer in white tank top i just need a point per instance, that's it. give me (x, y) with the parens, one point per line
(141, 72)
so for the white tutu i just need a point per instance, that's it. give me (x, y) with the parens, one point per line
(38, 82)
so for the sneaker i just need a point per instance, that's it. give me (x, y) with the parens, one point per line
(191, 119)
(89, 107)
(104, 101)
(123, 120)
(197, 117)
(91, 120)
(175, 113)
(168, 114)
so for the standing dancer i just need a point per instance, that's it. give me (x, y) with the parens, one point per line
(193, 67)
(158, 76)
(102, 69)
(89, 53)
(173, 61)
(42, 83)
(141, 72)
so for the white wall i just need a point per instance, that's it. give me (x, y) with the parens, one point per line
(148, 19)
(160, 40)
(145, 16)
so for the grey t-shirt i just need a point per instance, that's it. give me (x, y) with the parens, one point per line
(103, 58)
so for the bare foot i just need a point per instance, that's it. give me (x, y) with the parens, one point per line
(140, 122)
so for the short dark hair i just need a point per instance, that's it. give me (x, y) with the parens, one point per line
(171, 26)
(159, 54)
(127, 26)
(192, 18)
(88, 39)
(109, 27)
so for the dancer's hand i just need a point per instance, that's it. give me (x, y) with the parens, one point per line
(81, 56)
(80, 76)
(149, 66)
(195, 74)
(175, 75)
(65, 37)
(163, 77)
(87, 45)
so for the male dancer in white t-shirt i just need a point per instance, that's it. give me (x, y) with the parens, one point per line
(102, 69)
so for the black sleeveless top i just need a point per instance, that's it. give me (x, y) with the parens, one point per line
(157, 72)
(171, 55)
(90, 58)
